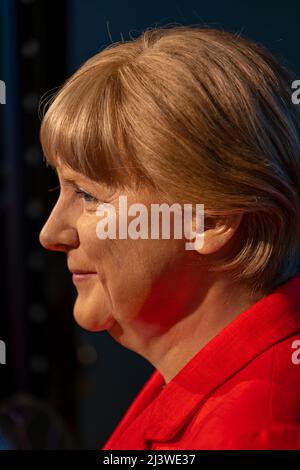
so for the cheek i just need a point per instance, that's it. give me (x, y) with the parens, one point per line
(118, 263)
(124, 271)
(143, 283)
(134, 275)
(126, 274)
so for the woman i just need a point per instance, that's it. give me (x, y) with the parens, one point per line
(185, 115)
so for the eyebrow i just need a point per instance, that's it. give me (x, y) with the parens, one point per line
(72, 182)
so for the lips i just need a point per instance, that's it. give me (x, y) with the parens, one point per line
(81, 271)
(79, 275)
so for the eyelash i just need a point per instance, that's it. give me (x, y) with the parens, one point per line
(80, 192)
(84, 195)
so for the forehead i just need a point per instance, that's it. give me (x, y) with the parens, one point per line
(64, 170)
(98, 188)
(142, 194)
(68, 174)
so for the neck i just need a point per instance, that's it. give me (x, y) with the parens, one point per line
(171, 349)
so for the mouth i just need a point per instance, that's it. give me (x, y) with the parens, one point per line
(79, 275)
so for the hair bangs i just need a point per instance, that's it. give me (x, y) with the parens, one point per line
(84, 128)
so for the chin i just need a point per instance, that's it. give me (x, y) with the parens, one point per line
(90, 321)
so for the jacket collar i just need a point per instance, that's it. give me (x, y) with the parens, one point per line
(268, 321)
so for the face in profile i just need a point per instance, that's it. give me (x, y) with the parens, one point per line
(144, 111)
(121, 284)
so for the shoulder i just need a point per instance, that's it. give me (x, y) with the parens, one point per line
(270, 384)
(258, 407)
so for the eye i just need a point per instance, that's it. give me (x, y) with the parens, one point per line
(86, 196)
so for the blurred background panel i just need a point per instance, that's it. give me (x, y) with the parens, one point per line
(78, 383)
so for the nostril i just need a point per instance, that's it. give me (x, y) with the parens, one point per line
(56, 237)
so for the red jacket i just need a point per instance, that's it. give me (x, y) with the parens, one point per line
(241, 391)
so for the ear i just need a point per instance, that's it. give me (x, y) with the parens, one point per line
(219, 233)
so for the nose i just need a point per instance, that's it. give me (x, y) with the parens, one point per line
(58, 234)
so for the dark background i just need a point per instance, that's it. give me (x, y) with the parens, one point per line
(74, 382)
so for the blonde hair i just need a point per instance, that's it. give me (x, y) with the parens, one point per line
(202, 115)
